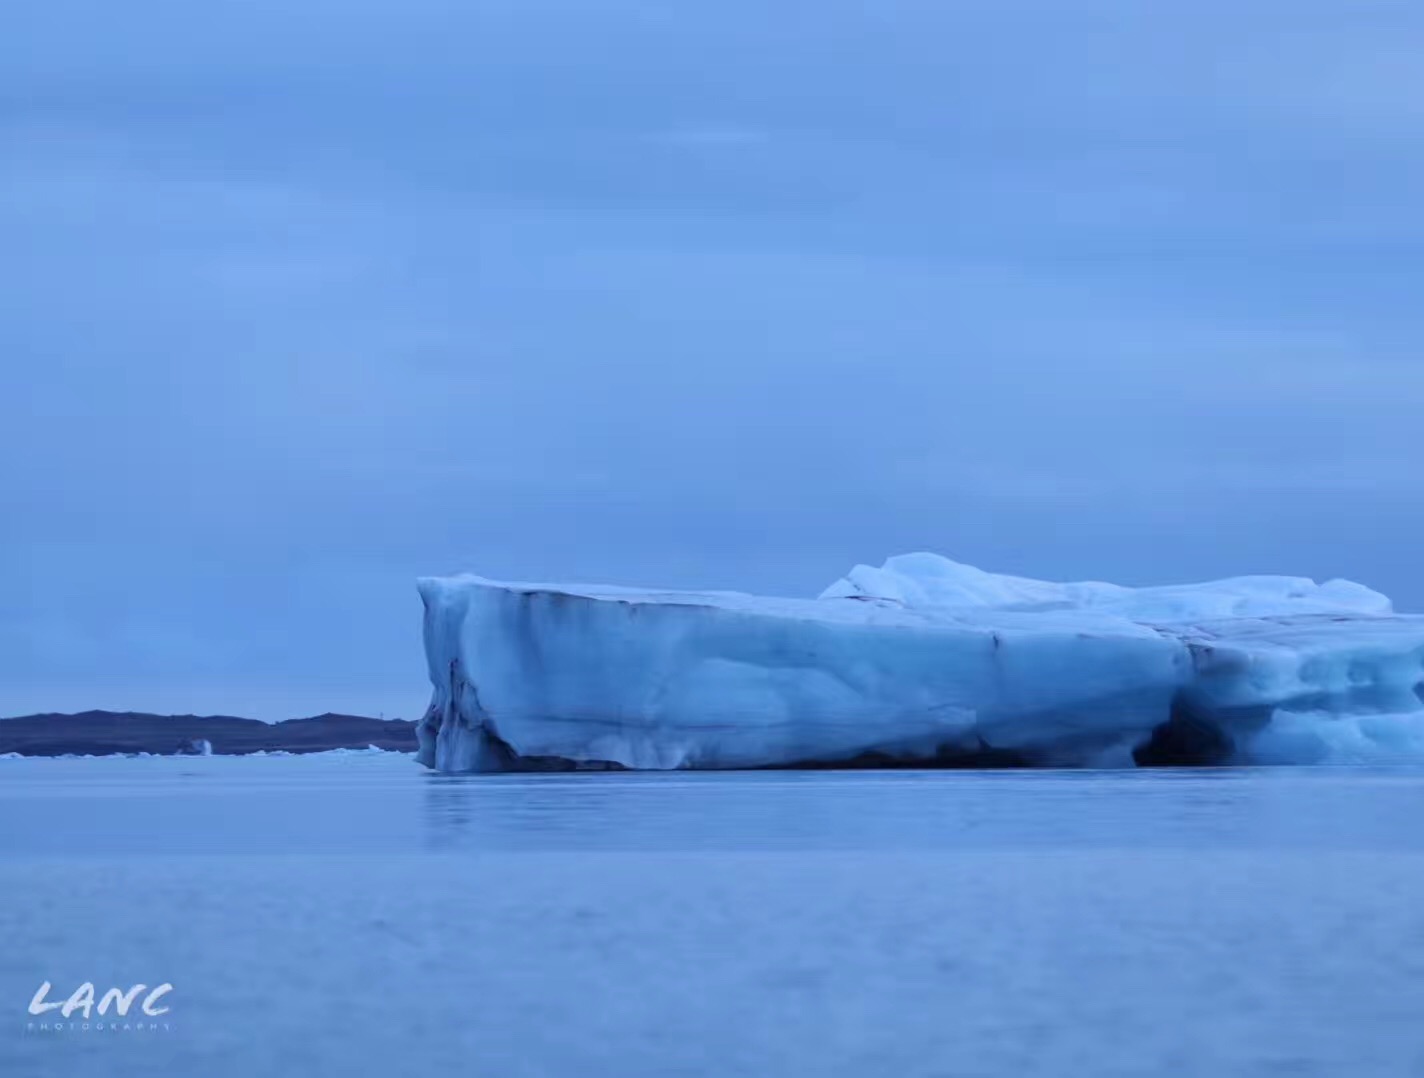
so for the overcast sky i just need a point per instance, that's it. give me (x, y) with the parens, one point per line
(299, 301)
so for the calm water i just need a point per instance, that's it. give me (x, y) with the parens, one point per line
(352, 915)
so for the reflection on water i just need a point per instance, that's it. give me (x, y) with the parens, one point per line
(807, 810)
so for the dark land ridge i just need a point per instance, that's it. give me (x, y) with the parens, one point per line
(105, 733)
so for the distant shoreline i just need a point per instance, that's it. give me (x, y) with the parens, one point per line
(109, 733)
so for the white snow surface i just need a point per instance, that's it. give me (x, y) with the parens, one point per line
(922, 660)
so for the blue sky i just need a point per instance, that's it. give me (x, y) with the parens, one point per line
(298, 302)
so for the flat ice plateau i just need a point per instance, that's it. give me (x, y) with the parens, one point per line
(921, 662)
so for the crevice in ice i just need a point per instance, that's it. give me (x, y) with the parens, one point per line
(949, 756)
(1189, 738)
(508, 759)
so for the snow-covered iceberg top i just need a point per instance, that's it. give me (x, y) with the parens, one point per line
(920, 661)
(931, 582)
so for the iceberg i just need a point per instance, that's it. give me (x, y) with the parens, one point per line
(920, 662)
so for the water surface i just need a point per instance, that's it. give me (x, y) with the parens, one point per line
(352, 914)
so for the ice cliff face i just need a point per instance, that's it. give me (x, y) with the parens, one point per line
(922, 660)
